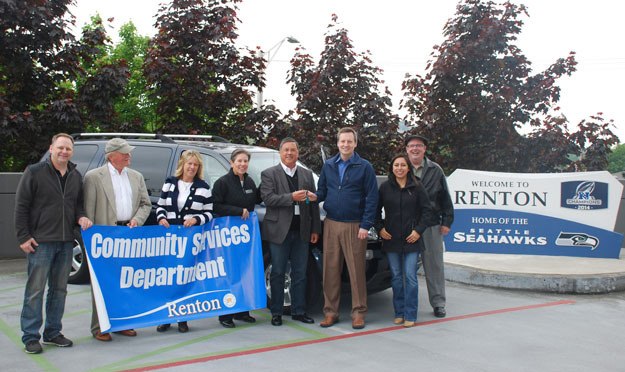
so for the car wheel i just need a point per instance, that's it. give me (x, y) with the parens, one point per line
(80, 269)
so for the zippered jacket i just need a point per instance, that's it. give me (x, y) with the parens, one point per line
(42, 209)
(405, 209)
(355, 198)
(229, 197)
(435, 183)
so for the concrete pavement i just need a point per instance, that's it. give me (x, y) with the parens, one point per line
(487, 329)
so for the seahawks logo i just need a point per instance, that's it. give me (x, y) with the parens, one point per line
(577, 240)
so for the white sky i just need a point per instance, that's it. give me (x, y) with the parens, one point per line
(400, 35)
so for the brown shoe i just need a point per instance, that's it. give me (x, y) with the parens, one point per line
(127, 332)
(103, 336)
(329, 321)
(358, 323)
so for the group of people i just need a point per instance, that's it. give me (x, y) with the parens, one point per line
(53, 200)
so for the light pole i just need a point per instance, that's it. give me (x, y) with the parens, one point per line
(270, 55)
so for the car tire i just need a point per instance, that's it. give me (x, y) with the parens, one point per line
(79, 273)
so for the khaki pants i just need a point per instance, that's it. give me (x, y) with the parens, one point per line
(95, 322)
(433, 266)
(341, 243)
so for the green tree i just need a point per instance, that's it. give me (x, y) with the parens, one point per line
(616, 159)
(102, 80)
(136, 110)
(199, 78)
(479, 90)
(343, 89)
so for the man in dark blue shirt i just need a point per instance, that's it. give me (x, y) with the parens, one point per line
(348, 186)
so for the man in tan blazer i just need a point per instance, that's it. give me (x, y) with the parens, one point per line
(115, 195)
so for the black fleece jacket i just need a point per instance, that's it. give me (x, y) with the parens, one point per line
(43, 210)
(229, 198)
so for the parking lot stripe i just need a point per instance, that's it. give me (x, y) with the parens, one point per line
(346, 336)
(9, 332)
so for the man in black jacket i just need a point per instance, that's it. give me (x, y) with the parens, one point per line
(433, 179)
(48, 206)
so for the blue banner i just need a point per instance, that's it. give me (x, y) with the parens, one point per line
(154, 275)
(497, 231)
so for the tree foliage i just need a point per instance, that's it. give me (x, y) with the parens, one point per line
(49, 82)
(200, 79)
(616, 159)
(102, 80)
(343, 89)
(34, 64)
(136, 110)
(479, 91)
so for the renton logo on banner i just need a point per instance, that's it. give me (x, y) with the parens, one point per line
(564, 214)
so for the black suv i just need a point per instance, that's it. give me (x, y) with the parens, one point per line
(156, 157)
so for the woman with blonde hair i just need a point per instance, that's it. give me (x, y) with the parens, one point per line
(185, 200)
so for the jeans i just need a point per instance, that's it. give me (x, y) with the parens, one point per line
(405, 284)
(51, 262)
(293, 249)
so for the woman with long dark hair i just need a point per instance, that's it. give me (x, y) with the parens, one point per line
(407, 213)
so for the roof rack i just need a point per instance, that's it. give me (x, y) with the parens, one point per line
(161, 137)
(166, 138)
(206, 137)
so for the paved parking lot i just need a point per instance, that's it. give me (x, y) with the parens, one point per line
(485, 330)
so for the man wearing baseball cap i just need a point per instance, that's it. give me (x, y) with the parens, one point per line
(433, 179)
(115, 195)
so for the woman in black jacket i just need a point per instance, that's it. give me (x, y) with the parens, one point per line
(236, 194)
(407, 213)
(185, 200)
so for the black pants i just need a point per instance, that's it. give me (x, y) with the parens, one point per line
(231, 316)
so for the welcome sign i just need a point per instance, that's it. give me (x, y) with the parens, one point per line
(563, 214)
(154, 275)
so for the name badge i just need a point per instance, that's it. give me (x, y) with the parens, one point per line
(249, 191)
(296, 210)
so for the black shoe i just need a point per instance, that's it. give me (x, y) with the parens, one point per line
(276, 320)
(247, 318)
(183, 327)
(304, 318)
(440, 312)
(33, 347)
(228, 323)
(60, 341)
(163, 327)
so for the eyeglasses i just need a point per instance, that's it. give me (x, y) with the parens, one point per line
(415, 146)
